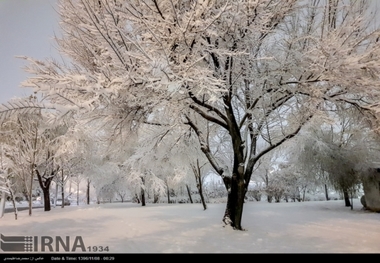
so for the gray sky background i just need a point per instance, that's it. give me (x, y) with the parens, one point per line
(26, 29)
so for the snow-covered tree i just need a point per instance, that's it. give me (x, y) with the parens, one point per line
(33, 144)
(121, 188)
(338, 153)
(257, 70)
(168, 157)
(6, 188)
(72, 153)
(20, 134)
(47, 166)
(150, 168)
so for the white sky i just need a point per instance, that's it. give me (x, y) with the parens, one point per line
(26, 29)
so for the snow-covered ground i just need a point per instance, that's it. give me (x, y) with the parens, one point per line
(319, 226)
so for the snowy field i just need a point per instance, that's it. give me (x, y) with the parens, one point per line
(319, 227)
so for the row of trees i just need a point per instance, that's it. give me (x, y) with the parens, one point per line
(36, 149)
(327, 159)
(233, 80)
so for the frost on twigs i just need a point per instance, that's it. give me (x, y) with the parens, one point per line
(19, 106)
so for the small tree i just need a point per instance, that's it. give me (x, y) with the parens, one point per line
(20, 135)
(121, 188)
(199, 178)
(6, 189)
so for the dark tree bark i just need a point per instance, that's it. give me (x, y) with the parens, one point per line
(199, 181)
(352, 201)
(88, 191)
(142, 193)
(346, 198)
(189, 193)
(168, 192)
(63, 191)
(31, 191)
(327, 193)
(200, 190)
(142, 197)
(45, 182)
(63, 197)
(244, 160)
(235, 199)
(47, 206)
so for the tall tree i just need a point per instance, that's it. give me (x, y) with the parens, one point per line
(258, 70)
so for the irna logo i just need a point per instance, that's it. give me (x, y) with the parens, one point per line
(41, 244)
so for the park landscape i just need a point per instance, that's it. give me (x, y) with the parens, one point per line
(201, 126)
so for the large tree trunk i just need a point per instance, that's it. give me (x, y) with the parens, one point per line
(45, 186)
(47, 206)
(235, 200)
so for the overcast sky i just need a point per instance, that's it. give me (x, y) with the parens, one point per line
(26, 28)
